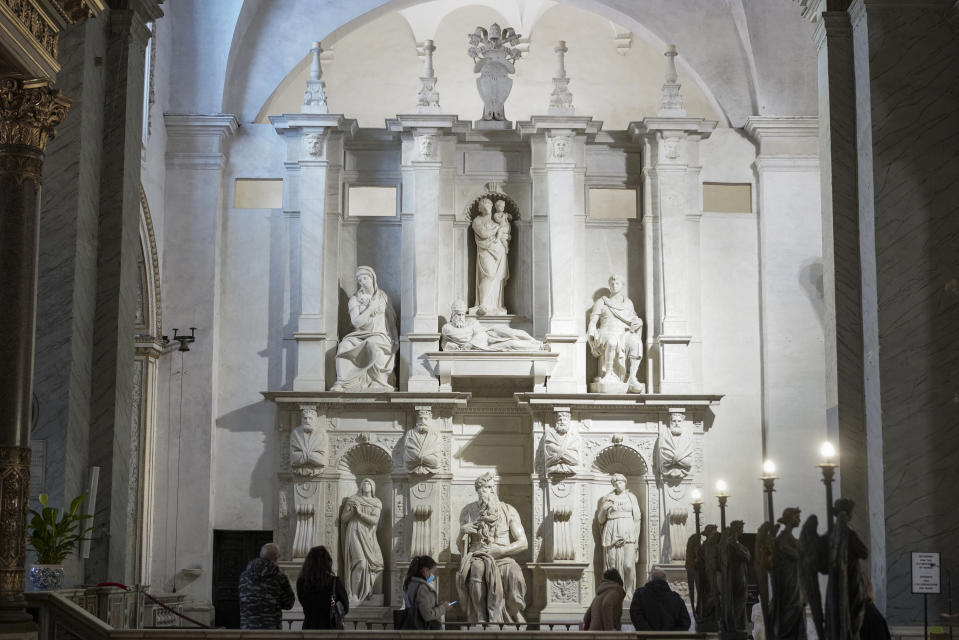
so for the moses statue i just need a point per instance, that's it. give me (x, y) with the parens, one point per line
(490, 582)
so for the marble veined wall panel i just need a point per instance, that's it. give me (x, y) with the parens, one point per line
(910, 126)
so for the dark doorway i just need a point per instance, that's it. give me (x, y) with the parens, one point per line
(231, 551)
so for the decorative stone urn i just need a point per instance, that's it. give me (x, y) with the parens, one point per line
(46, 577)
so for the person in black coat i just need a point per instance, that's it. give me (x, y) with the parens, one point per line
(317, 586)
(656, 607)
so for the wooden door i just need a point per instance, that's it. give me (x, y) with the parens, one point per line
(232, 550)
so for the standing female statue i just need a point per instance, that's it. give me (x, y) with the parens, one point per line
(362, 558)
(492, 234)
(621, 520)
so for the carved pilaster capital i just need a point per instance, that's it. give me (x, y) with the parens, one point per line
(30, 112)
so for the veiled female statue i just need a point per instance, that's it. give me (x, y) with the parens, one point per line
(362, 558)
(491, 230)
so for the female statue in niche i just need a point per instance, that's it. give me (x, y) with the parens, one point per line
(492, 232)
(621, 519)
(362, 558)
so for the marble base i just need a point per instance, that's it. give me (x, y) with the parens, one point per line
(562, 591)
(492, 125)
(415, 366)
(616, 387)
(538, 365)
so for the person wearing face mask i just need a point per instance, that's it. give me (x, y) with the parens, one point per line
(420, 601)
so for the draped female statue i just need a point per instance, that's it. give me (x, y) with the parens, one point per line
(362, 558)
(492, 232)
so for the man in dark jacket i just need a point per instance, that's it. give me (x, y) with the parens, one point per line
(264, 591)
(656, 607)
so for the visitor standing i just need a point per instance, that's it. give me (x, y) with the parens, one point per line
(264, 591)
(605, 612)
(656, 607)
(423, 608)
(318, 588)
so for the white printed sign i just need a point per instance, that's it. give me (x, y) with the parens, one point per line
(925, 572)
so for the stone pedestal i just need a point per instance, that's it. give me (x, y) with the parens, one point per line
(561, 590)
(312, 192)
(538, 365)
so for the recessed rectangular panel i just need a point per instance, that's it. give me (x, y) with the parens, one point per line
(481, 161)
(612, 204)
(255, 193)
(722, 197)
(365, 202)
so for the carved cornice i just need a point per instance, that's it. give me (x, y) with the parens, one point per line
(30, 112)
(31, 30)
(74, 11)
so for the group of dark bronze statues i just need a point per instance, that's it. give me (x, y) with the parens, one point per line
(787, 571)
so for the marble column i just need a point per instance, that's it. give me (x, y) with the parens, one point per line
(558, 171)
(195, 157)
(428, 171)
(790, 275)
(30, 113)
(118, 249)
(66, 284)
(842, 275)
(312, 192)
(907, 124)
(672, 208)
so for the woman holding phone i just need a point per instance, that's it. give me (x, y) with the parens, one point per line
(422, 605)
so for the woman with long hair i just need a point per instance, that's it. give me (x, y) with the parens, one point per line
(318, 587)
(423, 608)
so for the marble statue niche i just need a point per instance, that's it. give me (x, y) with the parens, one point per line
(366, 356)
(621, 519)
(561, 446)
(308, 445)
(490, 583)
(362, 557)
(424, 448)
(615, 336)
(676, 449)
(494, 53)
(491, 225)
(463, 333)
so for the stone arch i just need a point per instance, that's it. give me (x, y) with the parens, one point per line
(365, 459)
(151, 322)
(619, 458)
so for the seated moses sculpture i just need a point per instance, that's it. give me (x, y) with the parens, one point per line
(490, 582)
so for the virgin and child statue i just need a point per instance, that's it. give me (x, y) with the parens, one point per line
(492, 233)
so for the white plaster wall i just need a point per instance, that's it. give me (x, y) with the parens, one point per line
(254, 326)
(379, 58)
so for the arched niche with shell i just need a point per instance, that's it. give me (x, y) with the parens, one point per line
(496, 194)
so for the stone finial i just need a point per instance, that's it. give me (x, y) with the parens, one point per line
(672, 104)
(561, 100)
(314, 98)
(428, 99)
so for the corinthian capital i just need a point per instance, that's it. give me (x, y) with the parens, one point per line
(30, 111)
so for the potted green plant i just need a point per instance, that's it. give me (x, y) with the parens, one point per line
(53, 535)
